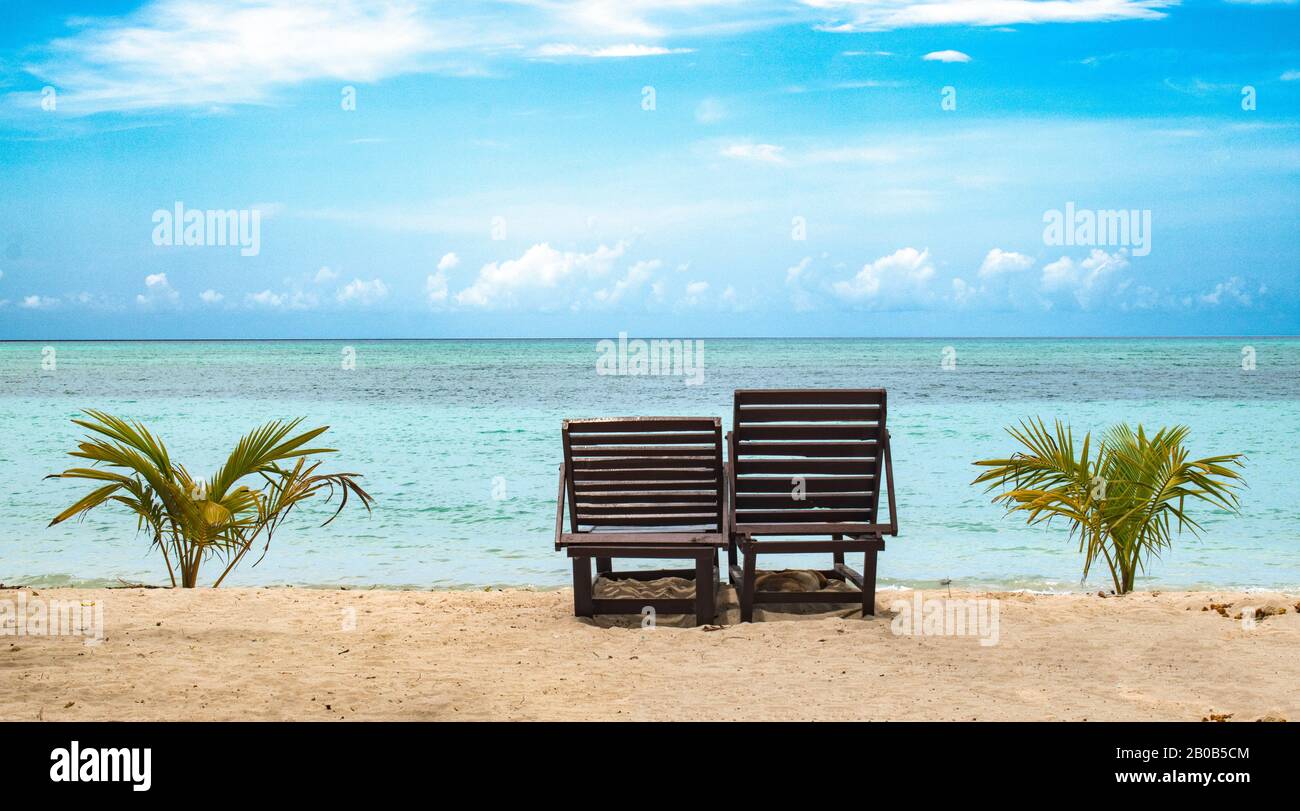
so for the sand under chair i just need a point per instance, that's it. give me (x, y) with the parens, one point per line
(643, 487)
(807, 462)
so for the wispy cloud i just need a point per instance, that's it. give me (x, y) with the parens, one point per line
(626, 50)
(762, 153)
(812, 155)
(201, 54)
(364, 293)
(877, 15)
(39, 302)
(189, 53)
(946, 56)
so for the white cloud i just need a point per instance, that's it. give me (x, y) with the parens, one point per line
(946, 56)
(997, 284)
(363, 292)
(898, 279)
(763, 153)
(39, 302)
(695, 293)
(1232, 291)
(1291, 75)
(778, 155)
(188, 53)
(158, 292)
(999, 261)
(326, 275)
(1087, 280)
(607, 51)
(195, 54)
(876, 15)
(435, 285)
(543, 277)
(631, 283)
(269, 299)
(265, 299)
(435, 289)
(211, 297)
(800, 298)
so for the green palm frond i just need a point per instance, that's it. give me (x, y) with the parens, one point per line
(1126, 502)
(190, 520)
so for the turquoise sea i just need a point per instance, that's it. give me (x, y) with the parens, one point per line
(460, 443)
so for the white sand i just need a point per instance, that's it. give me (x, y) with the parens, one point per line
(317, 655)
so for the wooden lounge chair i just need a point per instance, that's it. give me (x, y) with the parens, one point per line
(808, 462)
(643, 487)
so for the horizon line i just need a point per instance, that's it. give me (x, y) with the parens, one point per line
(704, 338)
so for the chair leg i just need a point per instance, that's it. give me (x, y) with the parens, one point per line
(838, 557)
(582, 606)
(731, 555)
(704, 596)
(604, 565)
(869, 584)
(747, 586)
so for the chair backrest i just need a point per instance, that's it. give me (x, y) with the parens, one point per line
(644, 474)
(807, 461)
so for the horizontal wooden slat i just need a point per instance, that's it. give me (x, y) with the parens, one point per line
(811, 484)
(613, 510)
(807, 449)
(673, 438)
(858, 431)
(709, 519)
(816, 528)
(632, 451)
(809, 414)
(661, 463)
(861, 467)
(647, 497)
(795, 516)
(596, 482)
(669, 545)
(809, 396)
(784, 501)
(625, 424)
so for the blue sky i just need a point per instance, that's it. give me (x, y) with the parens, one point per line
(664, 167)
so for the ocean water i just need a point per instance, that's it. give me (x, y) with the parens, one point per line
(459, 442)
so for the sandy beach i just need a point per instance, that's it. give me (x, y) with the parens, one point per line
(307, 654)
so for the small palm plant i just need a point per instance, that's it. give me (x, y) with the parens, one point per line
(189, 519)
(1125, 503)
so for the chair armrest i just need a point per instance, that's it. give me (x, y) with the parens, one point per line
(726, 500)
(729, 477)
(889, 474)
(559, 509)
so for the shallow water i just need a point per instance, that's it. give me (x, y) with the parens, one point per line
(441, 427)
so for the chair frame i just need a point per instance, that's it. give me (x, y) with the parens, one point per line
(656, 542)
(845, 537)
